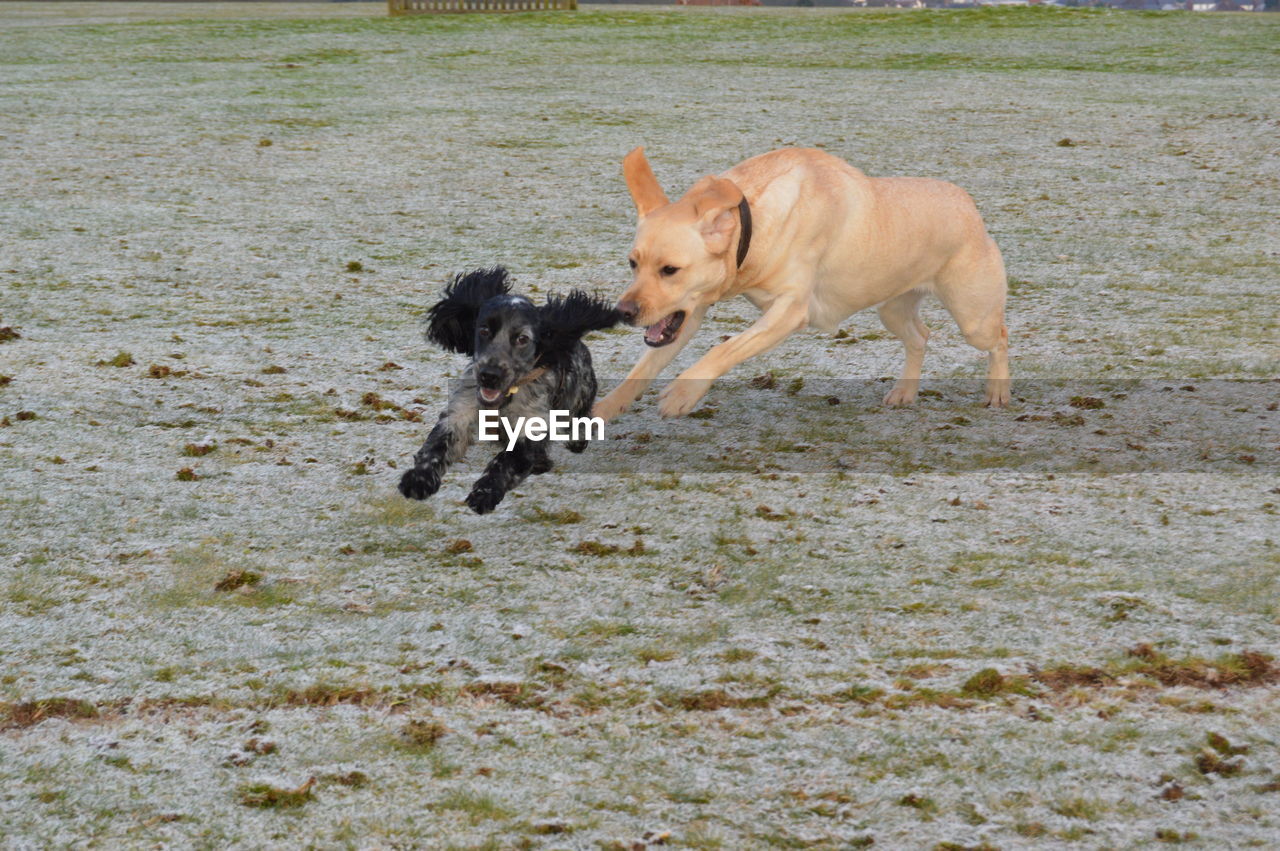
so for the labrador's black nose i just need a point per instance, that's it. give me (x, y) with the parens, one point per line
(629, 310)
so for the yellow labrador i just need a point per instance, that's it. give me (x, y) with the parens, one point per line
(810, 240)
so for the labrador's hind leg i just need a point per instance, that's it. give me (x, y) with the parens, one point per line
(974, 293)
(901, 315)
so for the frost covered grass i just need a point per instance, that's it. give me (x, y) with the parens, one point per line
(786, 622)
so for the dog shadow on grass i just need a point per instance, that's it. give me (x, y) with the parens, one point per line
(1068, 426)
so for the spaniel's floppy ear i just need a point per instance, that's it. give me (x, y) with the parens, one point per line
(451, 322)
(564, 320)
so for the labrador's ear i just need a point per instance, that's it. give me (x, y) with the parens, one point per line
(645, 191)
(564, 321)
(714, 201)
(451, 322)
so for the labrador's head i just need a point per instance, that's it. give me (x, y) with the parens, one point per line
(684, 254)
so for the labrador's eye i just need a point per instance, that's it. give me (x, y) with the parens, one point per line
(668, 270)
(522, 340)
(632, 263)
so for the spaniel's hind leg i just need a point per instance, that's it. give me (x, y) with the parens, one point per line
(901, 315)
(581, 393)
(540, 462)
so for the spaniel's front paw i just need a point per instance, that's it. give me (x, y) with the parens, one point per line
(484, 498)
(419, 483)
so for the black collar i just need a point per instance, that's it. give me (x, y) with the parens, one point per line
(744, 230)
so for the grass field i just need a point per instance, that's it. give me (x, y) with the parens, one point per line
(783, 623)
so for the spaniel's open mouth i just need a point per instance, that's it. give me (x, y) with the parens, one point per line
(489, 396)
(664, 330)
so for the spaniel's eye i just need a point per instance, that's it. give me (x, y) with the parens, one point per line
(631, 262)
(522, 340)
(483, 333)
(668, 270)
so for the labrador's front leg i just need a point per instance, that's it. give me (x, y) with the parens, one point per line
(649, 367)
(784, 317)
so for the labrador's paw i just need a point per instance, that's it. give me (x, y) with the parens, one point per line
(998, 393)
(681, 396)
(903, 393)
(610, 406)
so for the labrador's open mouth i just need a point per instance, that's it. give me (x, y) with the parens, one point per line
(664, 330)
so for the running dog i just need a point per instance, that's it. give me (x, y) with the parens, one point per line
(526, 361)
(809, 240)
